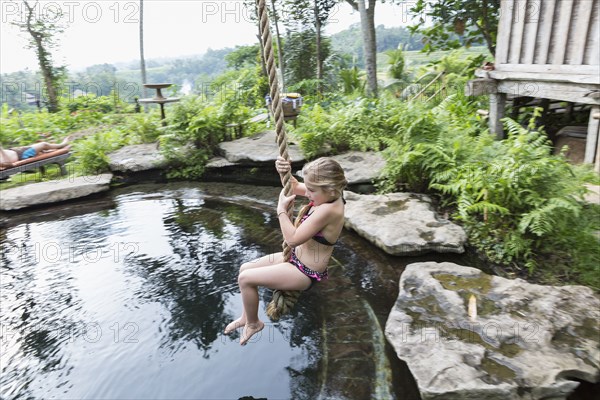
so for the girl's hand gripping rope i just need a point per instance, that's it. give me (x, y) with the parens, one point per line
(282, 165)
(284, 202)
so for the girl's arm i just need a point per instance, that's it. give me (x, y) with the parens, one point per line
(295, 236)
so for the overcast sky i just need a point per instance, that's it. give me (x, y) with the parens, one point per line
(106, 31)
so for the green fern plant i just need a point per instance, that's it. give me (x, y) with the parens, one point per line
(520, 204)
(352, 81)
(92, 152)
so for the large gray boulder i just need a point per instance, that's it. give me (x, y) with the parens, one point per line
(257, 149)
(136, 158)
(402, 224)
(34, 194)
(524, 341)
(361, 166)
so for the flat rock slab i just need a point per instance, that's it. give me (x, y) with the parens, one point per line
(402, 224)
(524, 341)
(53, 191)
(136, 158)
(258, 149)
(361, 167)
(219, 162)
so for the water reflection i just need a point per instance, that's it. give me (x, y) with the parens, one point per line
(130, 302)
(127, 298)
(36, 308)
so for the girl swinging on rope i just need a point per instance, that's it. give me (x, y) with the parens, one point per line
(311, 239)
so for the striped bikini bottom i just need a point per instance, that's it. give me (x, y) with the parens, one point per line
(313, 275)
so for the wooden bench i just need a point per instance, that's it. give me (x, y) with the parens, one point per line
(58, 157)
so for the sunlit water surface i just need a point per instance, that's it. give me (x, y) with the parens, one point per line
(127, 295)
(129, 301)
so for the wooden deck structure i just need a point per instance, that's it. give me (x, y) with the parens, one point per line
(547, 49)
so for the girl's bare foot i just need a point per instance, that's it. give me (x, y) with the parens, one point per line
(250, 330)
(238, 323)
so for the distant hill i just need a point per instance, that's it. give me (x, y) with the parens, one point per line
(124, 79)
(121, 77)
(179, 70)
(349, 41)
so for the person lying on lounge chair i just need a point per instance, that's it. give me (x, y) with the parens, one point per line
(14, 154)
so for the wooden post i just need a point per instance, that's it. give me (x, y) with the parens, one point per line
(597, 166)
(516, 107)
(497, 104)
(592, 143)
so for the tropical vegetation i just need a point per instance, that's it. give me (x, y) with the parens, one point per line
(521, 204)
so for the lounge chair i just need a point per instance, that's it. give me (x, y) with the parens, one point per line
(58, 157)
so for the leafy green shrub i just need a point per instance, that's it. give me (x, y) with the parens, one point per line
(245, 87)
(312, 131)
(92, 151)
(102, 104)
(361, 124)
(352, 81)
(396, 67)
(414, 125)
(451, 73)
(354, 125)
(142, 128)
(520, 204)
(195, 127)
(310, 89)
(25, 128)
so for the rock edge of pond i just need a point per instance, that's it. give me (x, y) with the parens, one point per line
(250, 160)
(465, 334)
(374, 217)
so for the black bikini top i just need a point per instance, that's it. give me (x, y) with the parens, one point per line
(318, 237)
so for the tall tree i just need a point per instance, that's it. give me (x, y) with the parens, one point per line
(300, 54)
(43, 29)
(313, 13)
(457, 23)
(367, 25)
(321, 10)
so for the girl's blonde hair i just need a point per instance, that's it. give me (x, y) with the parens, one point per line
(325, 173)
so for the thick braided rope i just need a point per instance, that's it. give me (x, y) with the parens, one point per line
(282, 301)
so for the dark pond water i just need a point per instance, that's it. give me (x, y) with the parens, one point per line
(125, 296)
